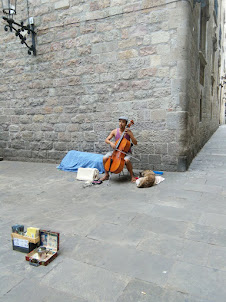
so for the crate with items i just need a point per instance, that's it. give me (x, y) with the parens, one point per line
(25, 241)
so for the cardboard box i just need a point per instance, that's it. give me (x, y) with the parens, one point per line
(32, 232)
(23, 243)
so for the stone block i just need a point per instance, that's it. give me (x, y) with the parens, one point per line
(39, 155)
(87, 147)
(14, 128)
(56, 155)
(107, 77)
(87, 127)
(178, 86)
(129, 43)
(158, 114)
(163, 72)
(24, 154)
(38, 135)
(169, 160)
(126, 75)
(71, 109)
(27, 135)
(154, 159)
(127, 54)
(4, 135)
(35, 146)
(90, 136)
(73, 128)
(60, 146)
(46, 145)
(177, 120)
(3, 145)
(38, 118)
(90, 79)
(17, 144)
(58, 109)
(161, 148)
(50, 136)
(4, 119)
(147, 51)
(63, 4)
(79, 118)
(24, 119)
(59, 127)
(156, 60)
(146, 72)
(182, 165)
(10, 153)
(160, 37)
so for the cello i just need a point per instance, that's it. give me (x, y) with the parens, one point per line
(115, 163)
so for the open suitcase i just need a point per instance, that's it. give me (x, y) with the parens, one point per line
(47, 251)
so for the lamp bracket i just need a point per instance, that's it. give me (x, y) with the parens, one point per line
(18, 28)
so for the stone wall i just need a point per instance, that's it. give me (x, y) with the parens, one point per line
(201, 127)
(97, 60)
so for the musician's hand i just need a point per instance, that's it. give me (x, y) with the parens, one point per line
(128, 132)
(112, 145)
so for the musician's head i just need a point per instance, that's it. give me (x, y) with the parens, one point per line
(123, 122)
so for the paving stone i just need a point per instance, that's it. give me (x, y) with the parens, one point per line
(175, 213)
(198, 281)
(109, 215)
(177, 296)
(128, 205)
(138, 290)
(218, 237)
(176, 248)
(7, 282)
(180, 193)
(86, 281)
(160, 225)
(217, 257)
(206, 234)
(212, 219)
(123, 260)
(199, 232)
(33, 290)
(203, 188)
(117, 234)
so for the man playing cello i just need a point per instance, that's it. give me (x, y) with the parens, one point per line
(117, 134)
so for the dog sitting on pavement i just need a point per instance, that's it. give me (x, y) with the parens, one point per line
(146, 179)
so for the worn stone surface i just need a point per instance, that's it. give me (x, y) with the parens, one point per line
(97, 60)
(119, 243)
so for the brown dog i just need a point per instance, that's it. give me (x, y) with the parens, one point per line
(147, 179)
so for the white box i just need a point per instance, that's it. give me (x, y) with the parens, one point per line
(88, 174)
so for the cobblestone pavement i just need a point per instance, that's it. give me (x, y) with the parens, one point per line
(119, 243)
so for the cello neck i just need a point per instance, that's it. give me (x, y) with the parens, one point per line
(121, 137)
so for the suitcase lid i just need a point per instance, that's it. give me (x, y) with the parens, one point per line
(50, 240)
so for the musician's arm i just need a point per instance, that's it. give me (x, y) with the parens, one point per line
(134, 141)
(108, 139)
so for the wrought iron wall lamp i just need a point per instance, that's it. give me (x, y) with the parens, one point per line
(9, 9)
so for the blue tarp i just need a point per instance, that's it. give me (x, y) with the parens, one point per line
(76, 159)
